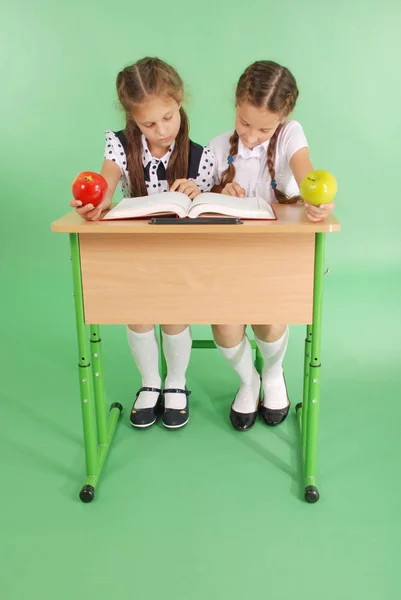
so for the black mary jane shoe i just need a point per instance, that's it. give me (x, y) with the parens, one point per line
(274, 416)
(242, 421)
(145, 417)
(174, 418)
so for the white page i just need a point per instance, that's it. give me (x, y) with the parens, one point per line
(254, 204)
(144, 205)
(253, 208)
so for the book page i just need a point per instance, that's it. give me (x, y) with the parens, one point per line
(251, 208)
(143, 206)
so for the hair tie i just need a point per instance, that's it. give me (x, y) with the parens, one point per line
(273, 184)
(230, 159)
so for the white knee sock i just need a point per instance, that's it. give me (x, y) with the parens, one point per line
(274, 389)
(177, 351)
(240, 358)
(145, 350)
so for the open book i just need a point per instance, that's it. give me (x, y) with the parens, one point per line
(177, 203)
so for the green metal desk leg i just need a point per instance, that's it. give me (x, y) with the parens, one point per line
(302, 407)
(98, 384)
(105, 425)
(95, 455)
(308, 413)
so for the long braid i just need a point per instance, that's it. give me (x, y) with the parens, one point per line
(266, 84)
(135, 84)
(271, 155)
(178, 163)
(134, 159)
(228, 175)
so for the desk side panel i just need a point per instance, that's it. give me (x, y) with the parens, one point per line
(197, 279)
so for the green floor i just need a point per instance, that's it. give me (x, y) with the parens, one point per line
(205, 512)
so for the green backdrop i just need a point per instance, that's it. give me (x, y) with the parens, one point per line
(205, 512)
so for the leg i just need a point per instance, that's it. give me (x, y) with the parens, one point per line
(259, 361)
(272, 342)
(145, 350)
(177, 346)
(95, 456)
(311, 435)
(235, 347)
(228, 336)
(98, 384)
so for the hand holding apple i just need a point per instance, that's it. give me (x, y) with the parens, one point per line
(318, 189)
(89, 188)
(88, 211)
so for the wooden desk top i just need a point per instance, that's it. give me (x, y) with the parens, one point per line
(290, 219)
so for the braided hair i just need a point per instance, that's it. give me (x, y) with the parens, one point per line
(265, 84)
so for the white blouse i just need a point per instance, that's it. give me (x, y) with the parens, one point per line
(251, 170)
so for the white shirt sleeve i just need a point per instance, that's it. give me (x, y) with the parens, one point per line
(114, 151)
(207, 165)
(220, 146)
(292, 140)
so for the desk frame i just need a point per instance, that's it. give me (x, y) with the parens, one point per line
(99, 424)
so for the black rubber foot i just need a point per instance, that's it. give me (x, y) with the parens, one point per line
(87, 494)
(117, 405)
(311, 494)
(298, 406)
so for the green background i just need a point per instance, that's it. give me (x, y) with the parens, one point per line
(203, 512)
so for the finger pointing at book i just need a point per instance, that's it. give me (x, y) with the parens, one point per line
(185, 186)
(234, 189)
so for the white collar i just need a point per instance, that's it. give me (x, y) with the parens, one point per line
(257, 152)
(147, 156)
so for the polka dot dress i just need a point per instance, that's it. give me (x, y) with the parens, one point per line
(155, 169)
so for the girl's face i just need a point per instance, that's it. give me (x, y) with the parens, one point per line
(159, 120)
(255, 125)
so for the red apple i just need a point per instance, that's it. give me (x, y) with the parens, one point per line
(89, 188)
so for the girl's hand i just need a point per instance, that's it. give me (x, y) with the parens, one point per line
(186, 186)
(234, 189)
(88, 211)
(318, 213)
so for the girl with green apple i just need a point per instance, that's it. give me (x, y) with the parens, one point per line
(266, 155)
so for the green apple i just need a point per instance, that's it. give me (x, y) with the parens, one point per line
(318, 187)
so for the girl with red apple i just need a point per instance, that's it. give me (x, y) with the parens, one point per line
(267, 155)
(154, 154)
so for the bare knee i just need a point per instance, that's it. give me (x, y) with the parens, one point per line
(174, 329)
(269, 333)
(140, 328)
(228, 336)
